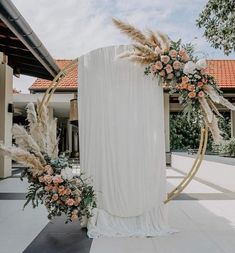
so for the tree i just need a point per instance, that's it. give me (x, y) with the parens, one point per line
(218, 19)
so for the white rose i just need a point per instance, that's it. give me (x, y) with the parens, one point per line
(201, 64)
(67, 173)
(189, 68)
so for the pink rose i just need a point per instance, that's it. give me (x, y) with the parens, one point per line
(67, 191)
(173, 53)
(185, 79)
(192, 94)
(191, 87)
(184, 86)
(185, 57)
(182, 52)
(48, 169)
(57, 179)
(176, 65)
(74, 217)
(201, 94)
(158, 50)
(41, 179)
(158, 65)
(170, 76)
(55, 197)
(162, 73)
(153, 69)
(70, 202)
(75, 211)
(178, 86)
(168, 69)
(200, 84)
(48, 179)
(54, 188)
(165, 59)
(48, 188)
(61, 190)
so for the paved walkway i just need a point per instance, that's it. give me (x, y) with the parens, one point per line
(204, 214)
(211, 158)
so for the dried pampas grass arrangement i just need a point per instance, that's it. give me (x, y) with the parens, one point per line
(144, 45)
(35, 142)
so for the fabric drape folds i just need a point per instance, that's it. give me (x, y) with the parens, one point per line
(122, 149)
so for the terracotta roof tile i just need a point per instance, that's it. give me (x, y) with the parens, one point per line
(70, 82)
(222, 70)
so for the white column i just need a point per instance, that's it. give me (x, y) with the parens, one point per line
(6, 98)
(167, 120)
(70, 136)
(232, 123)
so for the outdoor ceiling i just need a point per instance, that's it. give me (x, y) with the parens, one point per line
(26, 53)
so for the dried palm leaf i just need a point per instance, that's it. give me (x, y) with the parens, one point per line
(134, 33)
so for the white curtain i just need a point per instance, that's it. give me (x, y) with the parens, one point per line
(122, 146)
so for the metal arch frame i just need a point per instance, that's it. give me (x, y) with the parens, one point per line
(195, 167)
(202, 146)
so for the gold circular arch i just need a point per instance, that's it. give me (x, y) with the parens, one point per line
(202, 146)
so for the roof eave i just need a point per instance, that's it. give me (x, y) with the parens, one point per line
(19, 26)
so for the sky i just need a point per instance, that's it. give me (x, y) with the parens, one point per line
(72, 28)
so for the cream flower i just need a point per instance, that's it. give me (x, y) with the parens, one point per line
(67, 173)
(201, 64)
(189, 68)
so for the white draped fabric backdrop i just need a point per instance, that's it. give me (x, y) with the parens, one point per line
(122, 149)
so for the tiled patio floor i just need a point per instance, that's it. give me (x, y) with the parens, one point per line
(204, 214)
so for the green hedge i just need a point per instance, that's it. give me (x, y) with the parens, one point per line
(185, 135)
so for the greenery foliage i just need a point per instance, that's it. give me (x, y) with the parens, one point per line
(227, 148)
(218, 19)
(185, 132)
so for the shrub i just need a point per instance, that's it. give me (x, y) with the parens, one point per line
(185, 134)
(227, 148)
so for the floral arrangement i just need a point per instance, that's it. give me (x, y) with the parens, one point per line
(180, 72)
(51, 178)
